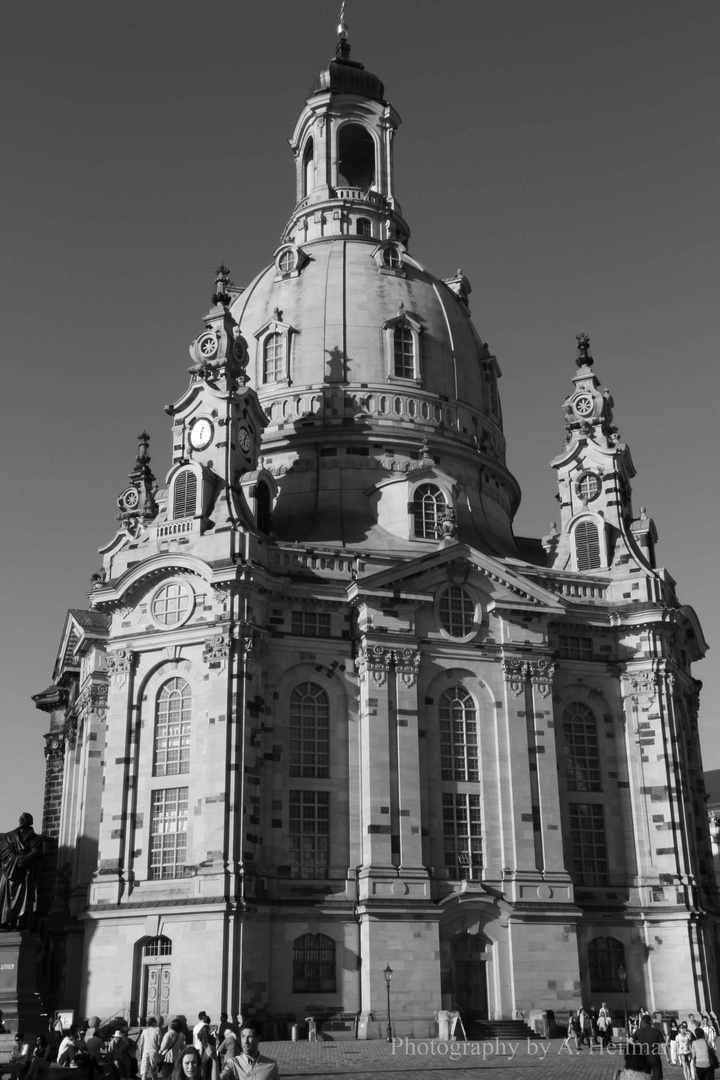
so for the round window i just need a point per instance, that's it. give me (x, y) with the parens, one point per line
(391, 258)
(172, 603)
(287, 262)
(457, 612)
(588, 487)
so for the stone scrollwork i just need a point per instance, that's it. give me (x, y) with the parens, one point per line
(120, 664)
(216, 650)
(541, 675)
(407, 662)
(54, 750)
(515, 672)
(640, 687)
(374, 660)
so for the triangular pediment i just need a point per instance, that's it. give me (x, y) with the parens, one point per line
(506, 585)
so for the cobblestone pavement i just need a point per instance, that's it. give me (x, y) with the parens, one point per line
(422, 1059)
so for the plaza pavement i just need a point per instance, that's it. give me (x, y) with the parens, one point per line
(425, 1059)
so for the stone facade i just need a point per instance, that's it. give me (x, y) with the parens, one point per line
(327, 713)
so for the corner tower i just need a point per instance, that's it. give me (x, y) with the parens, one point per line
(385, 428)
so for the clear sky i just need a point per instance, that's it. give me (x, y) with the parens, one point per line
(564, 155)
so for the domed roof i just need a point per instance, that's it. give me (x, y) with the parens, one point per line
(338, 305)
(345, 76)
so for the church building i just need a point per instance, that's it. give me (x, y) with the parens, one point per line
(326, 714)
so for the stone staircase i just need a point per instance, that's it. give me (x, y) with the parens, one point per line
(508, 1030)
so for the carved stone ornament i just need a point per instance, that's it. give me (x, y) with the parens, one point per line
(70, 730)
(374, 660)
(515, 672)
(120, 662)
(407, 662)
(640, 687)
(54, 750)
(216, 650)
(541, 675)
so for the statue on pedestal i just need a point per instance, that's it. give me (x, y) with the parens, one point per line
(20, 861)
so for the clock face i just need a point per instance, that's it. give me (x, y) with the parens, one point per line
(244, 439)
(583, 405)
(201, 434)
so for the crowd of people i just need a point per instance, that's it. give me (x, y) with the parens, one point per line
(151, 1050)
(689, 1042)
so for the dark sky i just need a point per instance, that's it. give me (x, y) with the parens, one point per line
(564, 155)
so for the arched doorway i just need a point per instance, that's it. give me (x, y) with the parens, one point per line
(155, 977)
(470, 953)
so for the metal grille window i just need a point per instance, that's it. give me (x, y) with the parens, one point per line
(309, 834)
(273, 358)
(168, 833)
(362, 227)
(588, 845)
(428, 505)
(172, 729)
(587, 546)
(314, 965)
(457, 611)
(309, 731)
(575, 648)
(582, 753)
(605, 956)
(462, 835)
(458, 736)
(404, 352)
(311, 623)
(185, 494)
(171, 603)
(159, 946)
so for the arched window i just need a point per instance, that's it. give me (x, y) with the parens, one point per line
(314, 964)
(273, 358)
(582, 753)
(356, 157)
(263, 506)
(172, 729)
(363, 227)
(309, 731)
(605, 956)
(185, 494)
(587, 546)
(404, 352)
(458, 736)
(308, 168)
(457, 611)
(428, 506)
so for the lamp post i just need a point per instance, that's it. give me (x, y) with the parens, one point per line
(622, 976)
(388, 973)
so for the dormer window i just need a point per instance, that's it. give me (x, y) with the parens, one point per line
(391, 258)
(402, 344)
(404, 352)
(286, 262)
(388, 257)
(185, 490)
(428, 507)
(289, 261)
(274, 363)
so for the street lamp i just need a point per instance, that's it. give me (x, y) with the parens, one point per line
(622, 976)
(388, 973)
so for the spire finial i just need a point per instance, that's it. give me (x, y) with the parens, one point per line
(343, 46)
(222, 280)
(584, 359)
(142, 455)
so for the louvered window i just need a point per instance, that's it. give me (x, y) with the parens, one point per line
(587, 546)
(185, 496)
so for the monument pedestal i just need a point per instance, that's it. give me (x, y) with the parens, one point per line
(19, 1000)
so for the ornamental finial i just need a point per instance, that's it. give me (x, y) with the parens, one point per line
(222, 281)
(584, 359)
(343, 46)
(142, 455)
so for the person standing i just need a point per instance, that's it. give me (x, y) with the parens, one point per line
(684, 1043)
(604, 1023)
(650, 1038)
(172, 1045)
(250, 1062)
(149, 1049)
(703, 1056)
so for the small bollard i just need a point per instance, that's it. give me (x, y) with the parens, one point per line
(294, 1032)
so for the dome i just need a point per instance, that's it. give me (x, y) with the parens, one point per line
(344, 76)
(326, 323)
